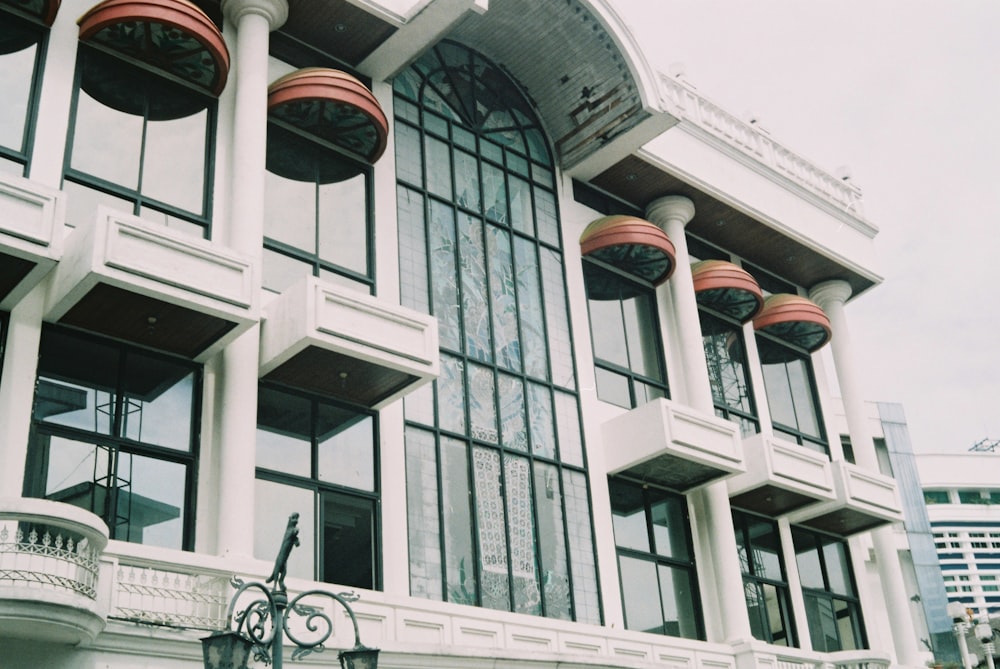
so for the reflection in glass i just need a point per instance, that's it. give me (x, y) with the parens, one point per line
(273, 504)
(17, 71)
(790, 387)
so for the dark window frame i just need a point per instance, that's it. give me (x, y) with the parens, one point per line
(818, 442)
(323, 490)
(23, 155)
(115, 445)
(635, 379)
(135, 196)
(752, 579)
(689, 566)
(818, 540)
(745, 419)
(296, 54)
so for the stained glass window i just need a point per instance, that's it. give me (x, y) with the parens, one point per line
(496, 487)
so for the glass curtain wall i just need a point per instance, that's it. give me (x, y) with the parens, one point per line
(497, 488)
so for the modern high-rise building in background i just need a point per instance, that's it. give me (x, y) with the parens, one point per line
(548, 352)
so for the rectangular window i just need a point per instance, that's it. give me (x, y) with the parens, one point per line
(725, 354)
(318, 459)
(972, 497)
(628, 352)
(791, 394)
(140, 143)
(21, 56)
(655, 555)
(832, 607)
(935, 497)
(113, 432)
(765, 585)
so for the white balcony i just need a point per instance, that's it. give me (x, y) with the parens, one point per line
(49, 565)
(144, 283)
(781, 477)
(672, 445)
(31, 222)
(347, 345)
(864, 500)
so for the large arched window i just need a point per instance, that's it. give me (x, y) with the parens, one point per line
(496, 486)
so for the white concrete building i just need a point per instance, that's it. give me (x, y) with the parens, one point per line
(468, 285)
(962, 493)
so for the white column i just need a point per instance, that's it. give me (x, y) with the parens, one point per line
(20, 365)
(236, 400)
(831, 297)
(728, 608)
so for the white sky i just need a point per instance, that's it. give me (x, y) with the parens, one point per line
(907, 94)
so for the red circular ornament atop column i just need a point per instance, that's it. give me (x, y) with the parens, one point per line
(332, 106)
(794, 319)
(727, 288)
(171, 35)
(632, 245)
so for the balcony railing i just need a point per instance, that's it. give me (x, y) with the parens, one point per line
(49, 569)
(683, 101)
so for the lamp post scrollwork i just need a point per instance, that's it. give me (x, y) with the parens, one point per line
(262, 625)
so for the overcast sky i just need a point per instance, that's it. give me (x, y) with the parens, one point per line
(907, 94)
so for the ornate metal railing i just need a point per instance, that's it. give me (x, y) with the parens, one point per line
(189, 599)
(684, 102)
(45, 545)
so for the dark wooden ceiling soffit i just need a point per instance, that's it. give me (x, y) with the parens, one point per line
(639, 183)
(336, 27)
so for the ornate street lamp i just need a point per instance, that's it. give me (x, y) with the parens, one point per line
(261, 627)
(984, 633)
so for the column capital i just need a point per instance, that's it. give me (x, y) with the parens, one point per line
(274, 11)
(670, 208)
(832, 292)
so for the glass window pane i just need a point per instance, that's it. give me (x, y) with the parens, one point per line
(581, 547)
(158, 407)
(444, 275)
(765, 548)
(75, 472)
(16, 70)
(503, 294)
(475, 300)
(678, 601)
(494, 193)
(482, 404)
(628, 515)
(823, 625)
(345, 441)
(557, 319)
(779, 394)
(408, 154)
(492, 539)
(568, 427)
(284, 424)
(412, 246)
(455, 495)
(613, 387)
(467, 181)
(642, 611)
(776, 606)
(343, 223)
(609, 334)
(543, 437)
(837, 567)
(290, 212)
(150, 501)
(77, 382)
(521, 214)
(801, 388)
(513, 426)
(273, 504)
(846, 625)
(451, 394)
(173, 168)
(641, 333)
(552, 542)
(107, 143)
(349, 541)
(438, 167)
(521, 535)
(530, 307)
(807, 560)
(670, 526)
(424, 525)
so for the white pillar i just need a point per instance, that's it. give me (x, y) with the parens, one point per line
(729, 609)
(236, 404)
(20, 365)
(831, 297)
